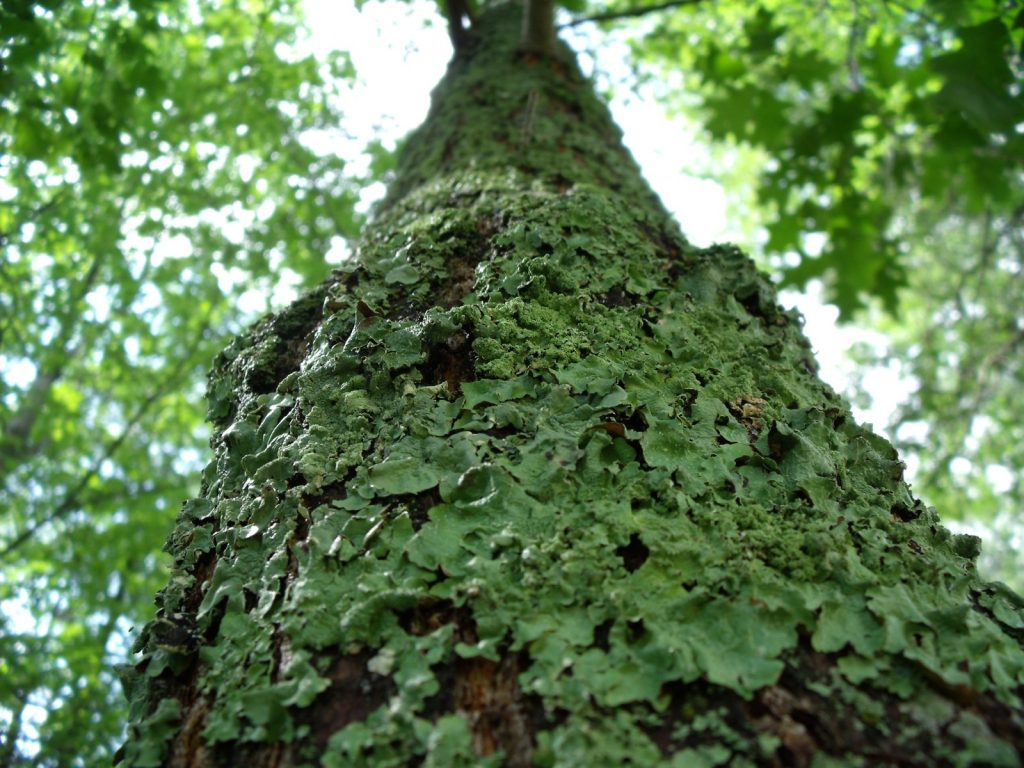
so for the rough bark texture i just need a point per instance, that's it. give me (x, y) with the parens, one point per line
(536, 482)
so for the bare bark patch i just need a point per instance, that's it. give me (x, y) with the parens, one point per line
(353, 694)
(488, 695)
(450, 363)
(634, 554)
(460, 283)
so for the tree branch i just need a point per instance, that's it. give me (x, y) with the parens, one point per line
(71, 498)
(460, 17)
(15, 435)
(629, 13)
(538, 35)
(32, 215)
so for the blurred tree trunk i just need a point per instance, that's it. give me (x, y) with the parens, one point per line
(536, 482)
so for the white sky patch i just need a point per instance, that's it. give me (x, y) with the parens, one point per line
(286, 290)
(371, 194)
(147, 299)
(228, 277)
(915, 431)
(665, 148)
(888, 387)
(254, 301)
(246, 165)
(41, 262)
(132, 349)
(1000, 478)
(71, 173)
(189, 460)
(398, 57)
(174, 247)
(832, 343)
(339, 251)
(98, 300)
(17, 372)
(266, 210)
(232, 220)
(961, 466)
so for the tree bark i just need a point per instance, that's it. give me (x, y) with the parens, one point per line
(538, 30)
(536, 482)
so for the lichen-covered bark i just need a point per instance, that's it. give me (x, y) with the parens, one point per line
(535, 482)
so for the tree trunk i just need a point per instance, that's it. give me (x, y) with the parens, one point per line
(536, 482)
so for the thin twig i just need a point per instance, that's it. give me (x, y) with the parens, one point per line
(33, 214)
(913, 11)
(629, 13)
(852, 65)
(71, 499)
(538, 32)
(16, 433)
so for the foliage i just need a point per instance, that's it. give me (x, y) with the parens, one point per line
(861, 110)
(153, 171)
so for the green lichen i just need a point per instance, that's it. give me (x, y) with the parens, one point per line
(534, 427)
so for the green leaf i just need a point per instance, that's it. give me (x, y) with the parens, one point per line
(978, 79)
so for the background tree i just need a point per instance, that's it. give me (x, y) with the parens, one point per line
(135, 154)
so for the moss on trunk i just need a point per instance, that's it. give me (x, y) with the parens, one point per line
(536, 482)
